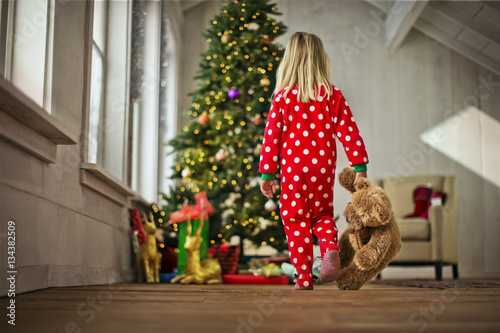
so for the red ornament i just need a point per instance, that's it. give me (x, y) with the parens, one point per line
(221, 155)
(204, 119)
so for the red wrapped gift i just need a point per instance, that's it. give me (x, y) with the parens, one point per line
(227, 255)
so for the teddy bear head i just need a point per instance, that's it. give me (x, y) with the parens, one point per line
(369, 207)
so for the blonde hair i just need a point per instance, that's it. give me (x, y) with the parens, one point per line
(305, 62)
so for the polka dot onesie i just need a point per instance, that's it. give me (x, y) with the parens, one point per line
(303, 135)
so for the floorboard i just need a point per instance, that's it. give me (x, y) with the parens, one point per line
(253, 308)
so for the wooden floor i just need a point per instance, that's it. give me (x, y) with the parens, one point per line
(171, 308)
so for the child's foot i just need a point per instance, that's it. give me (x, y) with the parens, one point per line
(297, 287)
(330, 269)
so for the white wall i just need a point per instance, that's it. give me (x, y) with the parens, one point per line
(395, 97)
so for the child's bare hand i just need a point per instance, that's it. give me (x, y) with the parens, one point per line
(268, 187)
(359, 175)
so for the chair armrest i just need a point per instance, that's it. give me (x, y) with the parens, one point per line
(443, 234)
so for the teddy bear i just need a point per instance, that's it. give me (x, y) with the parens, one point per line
(372, 237)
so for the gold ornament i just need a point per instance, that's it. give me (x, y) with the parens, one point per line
(204, 119)
(207, 271)
(226, 38)
(149, 258)
(265, 82)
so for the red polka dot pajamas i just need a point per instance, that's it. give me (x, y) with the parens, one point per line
(303, 135)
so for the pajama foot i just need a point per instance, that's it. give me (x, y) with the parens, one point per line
(297, 287)
(330, 269)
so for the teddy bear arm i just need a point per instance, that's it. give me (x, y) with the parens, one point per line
(346, 250)
(371, 255)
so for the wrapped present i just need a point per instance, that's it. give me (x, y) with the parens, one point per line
(228, 257)
(202, 206)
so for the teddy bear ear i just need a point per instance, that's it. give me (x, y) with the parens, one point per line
(362, 183)
(346, 179)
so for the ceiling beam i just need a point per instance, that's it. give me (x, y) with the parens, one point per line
(403, 16)
(458, 46)
(464, 20)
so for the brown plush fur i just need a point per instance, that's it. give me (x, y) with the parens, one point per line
(372, 237)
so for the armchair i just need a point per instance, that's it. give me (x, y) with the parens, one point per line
(431, 241)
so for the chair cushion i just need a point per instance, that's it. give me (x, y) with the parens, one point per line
(414, 228)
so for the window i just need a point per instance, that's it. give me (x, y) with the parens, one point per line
(108, 112)
(27, 32)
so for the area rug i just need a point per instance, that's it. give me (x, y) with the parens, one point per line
(446, 284)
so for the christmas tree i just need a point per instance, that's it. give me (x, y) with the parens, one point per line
(218, 151)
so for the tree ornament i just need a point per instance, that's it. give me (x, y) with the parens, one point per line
(221, 155)
(253, 26)
(270, 205)
(186, 172)
(233, 93)
(265, 82)
(267, 40)
(226, 38)
(204, 119)
(257, 120)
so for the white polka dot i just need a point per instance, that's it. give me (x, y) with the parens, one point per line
(268, 149)
(285, 196)
(335, 120)
(325, 195)
(290, 187)
(350, 129)
(294, 91)
(329, 231)
(304, 187)
(314, 161)
(307, 240)
(355, 153)
(296, 108)
(292, 135)
(313, 179)
(319, 229)
(285, 212)
(289, 169)
(345, 111)
(273, 115)
(296, 178)
(309, 258)
(327, 126)
(320, 117)
(317, 203)
(320, 99)
(305, 169)
(303, 266)
(284, 145)
(322, 152)
(275, 158)
(305, 133)
(303, 224)
(365, 159)
(290, 118)
(320, 187)
(323, 170)
(342, 123)
(285, 128)
(306, 151)
(275, 141)
(321, 134)
(339, 134)
(346, 148)
(301, 249)
(297, 143)
(294, 260)
(298, 126)
(279, 124)
(313, 143)
(266, 166)
(289, 151)
(304, 116)
(301, 211)
(347, 138)
(291, 245)
(294, 203)
(296, 233)
(312, 108)
(313, 126)
(287, 100)
(297, 195)
(352, 119)
(311, 195)
(270, 132)
(296, 160)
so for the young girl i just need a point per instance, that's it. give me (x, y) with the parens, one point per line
(306, 114)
